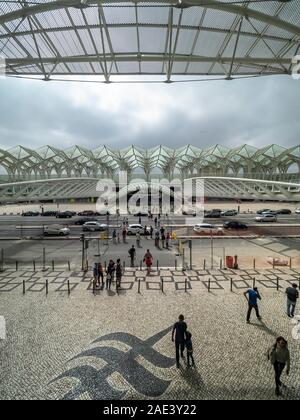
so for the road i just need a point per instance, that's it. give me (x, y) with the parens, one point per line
(18, 226)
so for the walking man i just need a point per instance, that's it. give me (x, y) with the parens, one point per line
(151, 232)
(132, 254)
(292, 297)
(179, 337)
(100, 274)
(111, 269)
(279, 357)
(252, 297)
(119, 273)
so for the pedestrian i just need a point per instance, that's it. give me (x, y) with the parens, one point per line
(146, 232)
(179, 331)
(140, 220)
(157, 239)
(119, 273)
(168, 239)
(138, 239)
(111, 269)
(132, 254)
(124, 235)
(163, 240)
(100, 274)
(279, 356)
(148, 260)
(253, 297)
(292, 297)
(189, 349)
(95, 274)
(108, 281)
(155, 221)
(162, 230)
(151, 232)
(114, 235)
(119, 237)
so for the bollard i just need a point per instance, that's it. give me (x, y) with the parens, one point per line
(44, 259)
(24, 287)
(141, 265)
(254, 264)
(53, 265)
(175, 265)
(124, 265)
(69, 290)
(117, 288)
(157, 265)
(273, 263)
(105, 265)
(94, 288)
(290, 263)
(204, 265)
(34, 265)
(139, 287)
(2, 260)
(185, 286)
(231, 284)
(254, 282)
(47, 286)
(221, 264)
(162, 285)
(277, 284)
(69, 265)
(299, 283)
(17, 265)
(209, 285)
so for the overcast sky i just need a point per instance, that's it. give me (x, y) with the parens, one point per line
(255, 111)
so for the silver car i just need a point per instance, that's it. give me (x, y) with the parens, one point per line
(57, 230)
(266, 218)
(94, 227)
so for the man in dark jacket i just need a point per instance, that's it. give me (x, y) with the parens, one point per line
(179, 331)
(292, 297)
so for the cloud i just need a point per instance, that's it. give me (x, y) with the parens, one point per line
(256, 111)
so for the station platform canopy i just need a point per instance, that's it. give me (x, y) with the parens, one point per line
(171, 39)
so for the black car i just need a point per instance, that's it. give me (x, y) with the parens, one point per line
(86, 213)
(31, 214)
(81, 222)
(49, 214)
(213, 215)
(141, 214)
(64, 215)
(284, 211)
(235, 225)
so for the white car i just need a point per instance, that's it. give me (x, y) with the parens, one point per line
(56, 230)
(134, 229)
(94, 227)
(208, 229)
(265, 218)
(297, 211)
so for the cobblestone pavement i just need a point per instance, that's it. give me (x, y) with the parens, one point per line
(118, 346)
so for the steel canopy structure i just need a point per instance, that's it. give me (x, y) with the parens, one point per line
(271, 162)
(167, 38)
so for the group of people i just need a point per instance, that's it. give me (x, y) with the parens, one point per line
(114, 271)
(278, 354)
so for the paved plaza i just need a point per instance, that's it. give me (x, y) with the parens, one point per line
(110, 345)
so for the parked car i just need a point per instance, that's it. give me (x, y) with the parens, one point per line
(228, 213)
(56, 230)
(212, 215)
(94, 227)
(284, 211)
(134, 229)
(86, 213)
(64, 215)
(263, 211)
(273, 212)
(206, 228)
(30, 214)
(297, 211)
(189, 212)
(235, 225)
(49, 214)
(264, 218)
(141, 214)
(81, 222)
